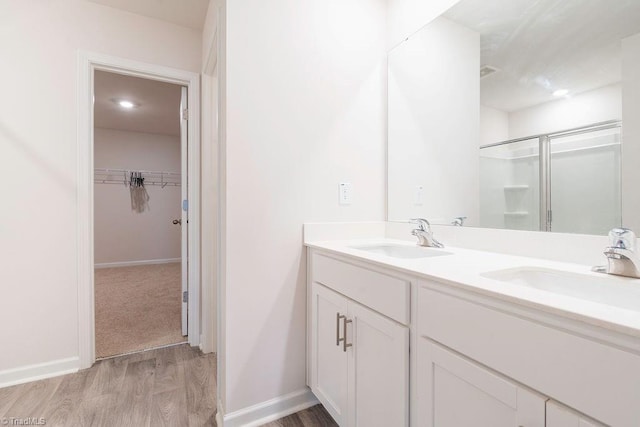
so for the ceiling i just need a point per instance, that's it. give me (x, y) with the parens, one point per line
(188, 13)
(157, 104)
(540, 46)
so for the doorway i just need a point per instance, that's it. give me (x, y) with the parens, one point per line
(140, 224)
(89, 64)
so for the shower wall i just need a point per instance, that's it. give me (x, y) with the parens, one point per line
(509, 192)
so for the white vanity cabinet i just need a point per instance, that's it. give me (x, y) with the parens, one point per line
(359, 358)
(329, 375)
(477, 358)
(561, 416)
(454, 391)
(499, 345)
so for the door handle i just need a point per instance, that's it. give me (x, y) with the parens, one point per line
(344, 332)
(338, 317)
(177, 221)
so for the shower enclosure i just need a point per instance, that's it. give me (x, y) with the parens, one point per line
(566, 182)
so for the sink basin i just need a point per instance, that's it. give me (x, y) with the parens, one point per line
(401, 251)
(615, 291)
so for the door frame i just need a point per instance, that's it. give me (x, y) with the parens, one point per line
(88, 62)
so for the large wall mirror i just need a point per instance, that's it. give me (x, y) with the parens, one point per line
(518, 114)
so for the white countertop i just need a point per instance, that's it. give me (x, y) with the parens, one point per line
(464, 267)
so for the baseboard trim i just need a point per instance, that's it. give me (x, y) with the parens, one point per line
(40, 371)
(270, 410)
(134, 263)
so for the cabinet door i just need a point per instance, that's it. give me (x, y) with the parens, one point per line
(378, 370)
(561, 416)
(328, 360)
(453, 391)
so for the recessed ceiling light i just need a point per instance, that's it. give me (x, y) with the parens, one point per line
(126, 104)
(561, 92)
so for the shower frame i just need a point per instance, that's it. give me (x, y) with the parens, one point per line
(544, 153)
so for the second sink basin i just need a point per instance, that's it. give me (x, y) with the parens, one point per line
(401, 251)
(609, 290)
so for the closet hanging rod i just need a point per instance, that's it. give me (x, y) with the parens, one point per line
(119, 182)
(134, 170)
(123, 177)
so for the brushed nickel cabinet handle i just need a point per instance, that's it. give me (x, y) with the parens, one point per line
(338, 317)
(344, 332)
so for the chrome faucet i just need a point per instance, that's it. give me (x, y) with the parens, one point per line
(424, 234)
(622, 257)
(458, 221)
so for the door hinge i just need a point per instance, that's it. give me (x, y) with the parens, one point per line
(185, 114)
(185, 296)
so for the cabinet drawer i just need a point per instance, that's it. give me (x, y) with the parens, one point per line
(383, 293)
(560, 416)
(598, 380)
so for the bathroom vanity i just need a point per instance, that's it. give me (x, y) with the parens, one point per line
(402, 335)
(482, 134)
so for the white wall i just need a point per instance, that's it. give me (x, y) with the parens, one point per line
(304, 101)
(494, 125)
(405, 17)
(631, 135)
(122, 235)
(39, 43)
(590, 107)
(434, 99)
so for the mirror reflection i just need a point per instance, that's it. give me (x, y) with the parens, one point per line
(509, 114)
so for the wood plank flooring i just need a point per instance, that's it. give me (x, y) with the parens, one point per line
(171, 386)
(314, 416)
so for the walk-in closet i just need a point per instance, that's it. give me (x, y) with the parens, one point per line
(139, 233)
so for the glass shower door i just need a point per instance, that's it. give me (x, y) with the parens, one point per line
(585, 181)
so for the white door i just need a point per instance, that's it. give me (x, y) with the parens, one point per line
(184, 217)
(561, 416)
(328, 359)
(378, 387)
(454, 391)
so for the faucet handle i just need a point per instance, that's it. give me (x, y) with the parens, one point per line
(422, 223)
(623, 238)
(458, 221)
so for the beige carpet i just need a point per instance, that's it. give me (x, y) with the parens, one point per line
(137, 308)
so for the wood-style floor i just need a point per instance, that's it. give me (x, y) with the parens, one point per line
(314, 416)
(172, 386)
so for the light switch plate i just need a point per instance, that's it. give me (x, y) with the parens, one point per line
(345, 195)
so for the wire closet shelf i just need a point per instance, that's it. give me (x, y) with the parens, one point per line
(123, 177)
